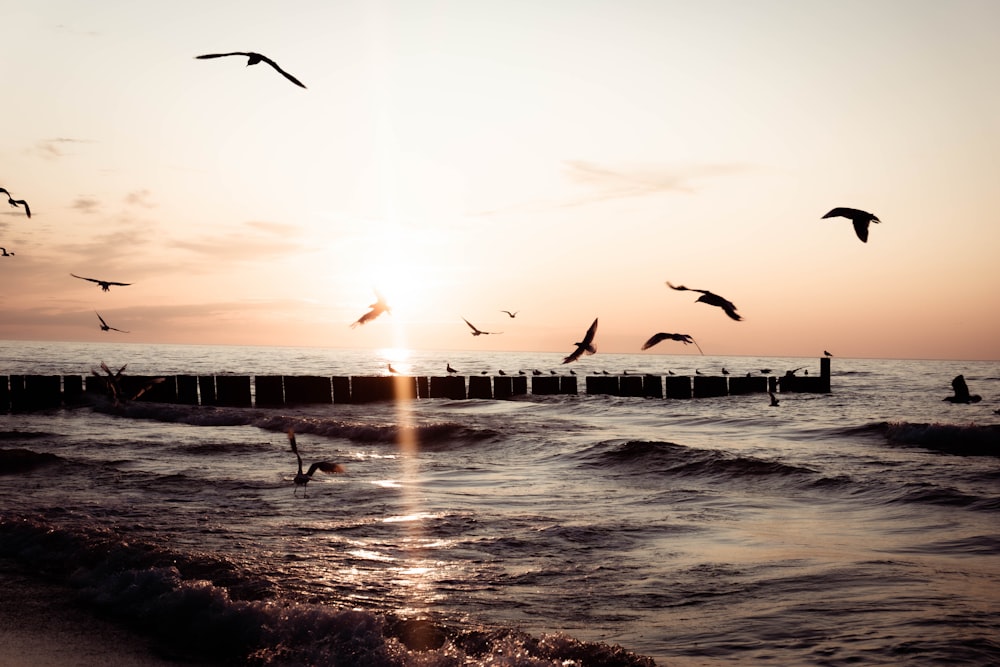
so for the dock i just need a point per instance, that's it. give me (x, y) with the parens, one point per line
(41, 392)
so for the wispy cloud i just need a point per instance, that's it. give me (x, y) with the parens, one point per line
(52, 149)
(605, 182)
(251, 241)
(140, 198)
(85, 204)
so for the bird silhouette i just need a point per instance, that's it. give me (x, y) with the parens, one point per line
(391, 369)
(303, 478)
(659, 337)
(380, 306)
(774, 399)
(477, 332)
(501, 372)
(586, 346)
(5, 253)
(113, 382)
(962, 394)
(860, 219)
(253, 59)
(449, 368)
(512, 315)
(104, 325)
(16, 202)
(827, 353)
(724, 371)
(105, 284)
(711, 299)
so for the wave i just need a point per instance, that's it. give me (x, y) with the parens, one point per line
(958, 439)
(436, 435)
(667, 458)
(210, 609)
(19, 461)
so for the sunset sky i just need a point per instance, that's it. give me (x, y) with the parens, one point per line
(562, 159)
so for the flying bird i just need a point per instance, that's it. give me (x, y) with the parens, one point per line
(860, 219)
(253, 59)
(712, 300)
(512, 315)
(104, 325)
(105, 284)
(659, 337)
(302, 478)
(16, 202)
(380, 306)
(586, 346)
(961, 390)
(477, 332)
(113, 382)
(5, 253)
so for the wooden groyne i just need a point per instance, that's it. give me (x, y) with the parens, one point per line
(40, 392)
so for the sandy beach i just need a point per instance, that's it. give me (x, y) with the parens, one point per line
(41, 627)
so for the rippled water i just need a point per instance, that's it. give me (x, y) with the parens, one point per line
(856, 526)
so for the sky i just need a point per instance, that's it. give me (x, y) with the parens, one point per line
(561, 159)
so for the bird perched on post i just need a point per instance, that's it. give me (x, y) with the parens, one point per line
(859, 218)
(712, 300)
(253, 59)
(586, 346)
(303, 478)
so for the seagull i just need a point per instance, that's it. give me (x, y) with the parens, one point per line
(765, 371)
(501, 372)
(586, 346)
(512, 315)
(827, 353)
(105, 284)
(452, 370)
(774, 399)
(391, 369)
(104, 325)
(477, 332)
(16, 202)
(301, 478)
(712, 300)
(253, 59)
(724, 371)
(5, 253)
(962, 394)
(859, 218)
(380, 306)
(114, 385)
(683, 338)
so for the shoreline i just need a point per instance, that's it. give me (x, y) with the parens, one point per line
(42, 626)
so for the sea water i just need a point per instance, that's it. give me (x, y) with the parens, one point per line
(859, 526)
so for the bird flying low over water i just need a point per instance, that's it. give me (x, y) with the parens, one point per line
(105, 284)
(16, 202)
(380, 306)
(104, 325)
(859, 218)
(477, 332)
(712, 300)
(586, 346)
(303, 478)
(683, 338)
(253, 59)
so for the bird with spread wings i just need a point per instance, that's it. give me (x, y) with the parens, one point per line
(253, 59)
(712, 300)
(105, 284)
(585, 346)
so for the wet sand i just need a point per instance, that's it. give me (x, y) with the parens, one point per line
(41, 626)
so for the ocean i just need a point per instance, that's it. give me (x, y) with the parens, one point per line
(856, 527)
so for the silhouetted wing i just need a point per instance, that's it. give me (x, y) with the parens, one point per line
(21, 202)
(108, 282)
(101, 318)
(282, 72)
(588, 339)
(325, 466)
(93, 280)
(654, 339)
(471, 326)
(147, 387)
(223, 55)
(861, 229)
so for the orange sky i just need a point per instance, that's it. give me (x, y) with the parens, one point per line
(559, 159)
